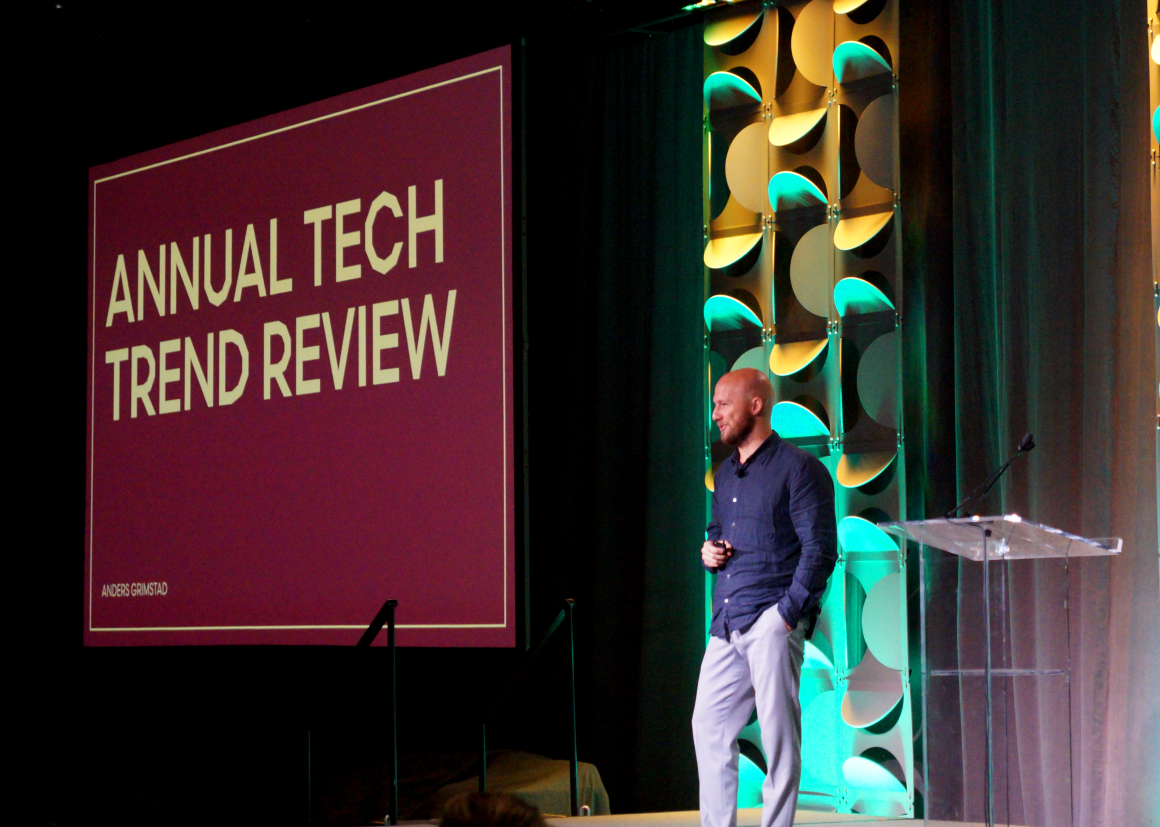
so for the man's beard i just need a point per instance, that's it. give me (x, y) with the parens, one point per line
(741, 434)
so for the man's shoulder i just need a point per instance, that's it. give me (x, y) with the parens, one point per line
(798, 459)
(792, 454)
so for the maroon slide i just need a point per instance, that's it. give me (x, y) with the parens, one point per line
(300, 374)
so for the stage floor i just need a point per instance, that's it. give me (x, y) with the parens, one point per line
(750, 817)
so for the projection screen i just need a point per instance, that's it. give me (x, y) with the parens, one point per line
(300, 374)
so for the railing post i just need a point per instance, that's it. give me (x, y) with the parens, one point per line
(483, 756)
(572, 758)
(394, 811)
(386, 616)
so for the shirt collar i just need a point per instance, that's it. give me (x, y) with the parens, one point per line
(763, 450)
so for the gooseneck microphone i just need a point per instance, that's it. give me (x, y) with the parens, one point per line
(972, 500)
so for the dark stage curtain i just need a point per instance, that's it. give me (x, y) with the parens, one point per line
(1046, 328)
(1053, 333)
(617, 501)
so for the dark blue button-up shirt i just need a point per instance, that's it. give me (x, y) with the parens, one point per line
(777, 511)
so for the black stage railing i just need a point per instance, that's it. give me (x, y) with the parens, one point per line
(564, 616)
(386, 616)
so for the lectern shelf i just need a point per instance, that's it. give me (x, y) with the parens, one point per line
(1008, 537)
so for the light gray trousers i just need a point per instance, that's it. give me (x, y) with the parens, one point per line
(761, 666)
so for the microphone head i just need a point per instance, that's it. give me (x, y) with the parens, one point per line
(1027, 443)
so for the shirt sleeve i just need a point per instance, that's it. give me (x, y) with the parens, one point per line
(811, 509)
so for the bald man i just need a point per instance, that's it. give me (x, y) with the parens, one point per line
(772, 545)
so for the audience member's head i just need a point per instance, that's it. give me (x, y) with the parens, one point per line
(490, 810)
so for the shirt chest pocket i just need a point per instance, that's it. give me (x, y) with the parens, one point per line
(757, 513)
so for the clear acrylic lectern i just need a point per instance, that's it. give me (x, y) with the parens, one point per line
(996, 667)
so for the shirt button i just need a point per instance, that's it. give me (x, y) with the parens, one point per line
(728, 576)
(734, 499)
(733, 525)
(726, 599)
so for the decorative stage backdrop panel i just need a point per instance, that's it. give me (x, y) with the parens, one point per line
(300, 374)
(803, 263)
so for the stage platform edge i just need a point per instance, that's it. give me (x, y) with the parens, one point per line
(747, 817)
